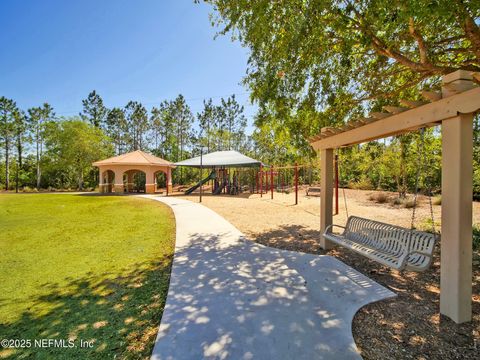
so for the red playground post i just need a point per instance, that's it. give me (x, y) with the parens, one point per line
(261, 180)
(271, 182)
(296, 184)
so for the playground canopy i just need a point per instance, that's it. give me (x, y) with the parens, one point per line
(229, 158)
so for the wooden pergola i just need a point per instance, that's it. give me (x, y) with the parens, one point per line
(453, 109)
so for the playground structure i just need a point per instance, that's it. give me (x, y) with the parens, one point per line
(229, 180)
(220, 164)
(225, 181)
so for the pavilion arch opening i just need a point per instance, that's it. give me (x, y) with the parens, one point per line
(160, 181)
(108, 181)
(134, 181)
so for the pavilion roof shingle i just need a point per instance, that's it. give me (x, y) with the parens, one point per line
(137, 157)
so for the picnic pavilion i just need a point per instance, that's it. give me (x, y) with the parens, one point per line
(118, 173)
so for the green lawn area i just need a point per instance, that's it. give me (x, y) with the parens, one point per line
(83, 267)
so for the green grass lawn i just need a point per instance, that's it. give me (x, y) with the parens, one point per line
(83, 267)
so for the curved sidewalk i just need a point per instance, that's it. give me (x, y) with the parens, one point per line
(232, 298)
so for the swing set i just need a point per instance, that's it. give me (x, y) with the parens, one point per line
(283, 179)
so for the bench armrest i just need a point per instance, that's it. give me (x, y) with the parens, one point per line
(329, 228)
(420, 252)
(404, 258)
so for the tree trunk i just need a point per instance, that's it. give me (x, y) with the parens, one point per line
(208, 135)
(181, 158)
(80, 180)
(38, 162)
(7, 163)
(19, 152)
(19, 164)
(16, 178)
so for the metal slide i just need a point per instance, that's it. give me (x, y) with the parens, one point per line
(201, 182)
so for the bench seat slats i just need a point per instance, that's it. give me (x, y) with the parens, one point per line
(387, 244)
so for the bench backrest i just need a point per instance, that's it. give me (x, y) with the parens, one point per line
(388, 237)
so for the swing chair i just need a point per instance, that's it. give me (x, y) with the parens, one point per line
(393, 246)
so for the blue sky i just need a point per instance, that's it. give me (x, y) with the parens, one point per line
(150, 50)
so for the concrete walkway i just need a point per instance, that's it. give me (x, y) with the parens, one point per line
(232, 298)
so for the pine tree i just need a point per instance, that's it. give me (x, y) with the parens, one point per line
(94, 111)
(7, 110)
(20, 129)
(38, 119)
(116, 127)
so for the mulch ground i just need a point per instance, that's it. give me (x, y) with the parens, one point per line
(406, 327)
(409, 326)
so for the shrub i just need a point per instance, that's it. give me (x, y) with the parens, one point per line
(362, 184)
(437, 200)
(28, 189)
(476, 237)
(398, 201)
(409, 203)
(426, 225)
(379, 197)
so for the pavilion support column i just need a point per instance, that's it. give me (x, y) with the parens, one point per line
(326, 195)
(150, 182)
(456, 243)
(101, 186)
(110, 180)
(118, 187)
(169, 181)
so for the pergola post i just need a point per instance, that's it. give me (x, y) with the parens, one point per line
(326, 194)
(456, 244)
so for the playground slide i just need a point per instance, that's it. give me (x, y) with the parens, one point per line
(195, 187)
(219, 189)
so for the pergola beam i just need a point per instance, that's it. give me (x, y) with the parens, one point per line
(424, 116)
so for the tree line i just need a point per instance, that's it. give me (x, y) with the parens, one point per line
(325, 63)
(43, 150)
(312, 64)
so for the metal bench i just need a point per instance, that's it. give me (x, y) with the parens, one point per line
(390, 245)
